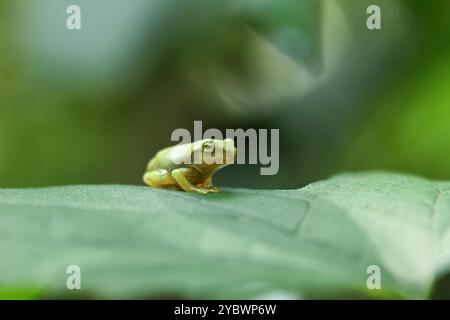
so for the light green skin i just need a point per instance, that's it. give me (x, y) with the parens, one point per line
(166, 170)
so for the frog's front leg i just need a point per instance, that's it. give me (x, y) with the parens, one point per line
(181, 176)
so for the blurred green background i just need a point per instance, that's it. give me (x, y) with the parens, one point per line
(91, 106)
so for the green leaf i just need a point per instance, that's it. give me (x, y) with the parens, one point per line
(317, 241)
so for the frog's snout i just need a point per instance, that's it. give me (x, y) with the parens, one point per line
(230, 148)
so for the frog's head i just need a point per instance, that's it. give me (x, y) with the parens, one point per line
(214, 153)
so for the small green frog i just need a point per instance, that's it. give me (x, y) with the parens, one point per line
(190, 167)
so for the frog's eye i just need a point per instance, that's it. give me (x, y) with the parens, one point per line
(208, 147)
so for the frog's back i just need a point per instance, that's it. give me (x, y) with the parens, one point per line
(156, 163)
(168, 158)
(152, 164)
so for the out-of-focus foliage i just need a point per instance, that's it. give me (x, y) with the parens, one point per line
(412, 129)
(92, 106)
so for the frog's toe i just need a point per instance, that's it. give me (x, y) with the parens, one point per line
(206, 190)
(213, 189)
(201, 191)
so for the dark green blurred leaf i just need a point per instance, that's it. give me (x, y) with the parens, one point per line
(293, 26)
(410, 129)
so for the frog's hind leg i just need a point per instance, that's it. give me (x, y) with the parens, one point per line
(159, 178)
(182, 175)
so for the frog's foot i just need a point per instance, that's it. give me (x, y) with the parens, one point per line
(212, 189)
(204, 190)
(200, 190)
(208, 185)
